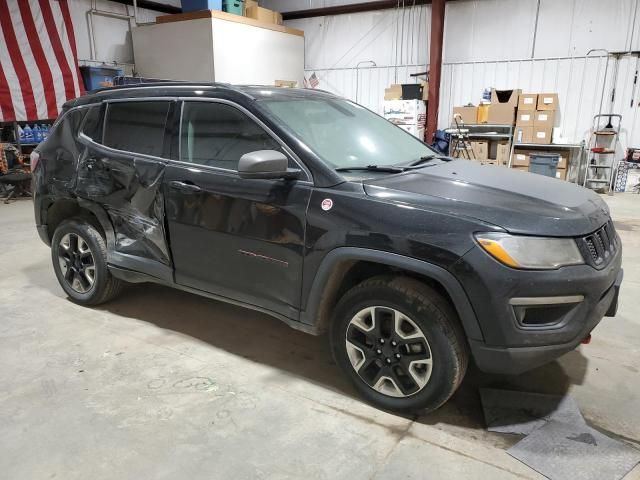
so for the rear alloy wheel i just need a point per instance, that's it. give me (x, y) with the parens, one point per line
(79, 255)
(400, 343)
(389, 351)
(76, 263)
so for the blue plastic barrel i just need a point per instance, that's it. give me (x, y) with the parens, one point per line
(99, 77)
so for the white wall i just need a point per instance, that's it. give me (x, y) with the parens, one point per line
(112, 35)
(487, 43)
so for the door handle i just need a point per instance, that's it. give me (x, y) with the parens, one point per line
(184, 186)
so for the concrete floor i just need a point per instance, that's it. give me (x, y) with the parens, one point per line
(165, 385)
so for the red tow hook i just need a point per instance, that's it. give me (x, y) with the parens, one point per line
(586, 340)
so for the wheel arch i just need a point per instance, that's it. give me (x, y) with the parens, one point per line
(341, 266)
(66, 208)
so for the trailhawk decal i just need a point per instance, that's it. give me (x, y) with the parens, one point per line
(326, 204)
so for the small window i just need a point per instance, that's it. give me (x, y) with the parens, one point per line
(92, 126)
(137, 127)
(217, 135)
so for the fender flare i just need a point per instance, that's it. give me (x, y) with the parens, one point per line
(339, 255)
(104, 220)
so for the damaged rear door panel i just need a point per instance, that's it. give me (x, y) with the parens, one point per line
(123, 173)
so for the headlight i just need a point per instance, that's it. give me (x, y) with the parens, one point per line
(530, 252)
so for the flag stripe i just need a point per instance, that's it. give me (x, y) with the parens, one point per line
(6, 105)
(64, 7)
(56, 43)
(40, 59)
(58, 83)
(16, 59)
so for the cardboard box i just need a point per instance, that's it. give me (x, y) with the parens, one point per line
(520, 158)
(528, 102)
(407, 91)
(262, 14)
(542, 134)
(415, 130)
(522, 169)
(502, 152)
(393, 92)
(564, 160)
(483, 113)
(248, 4)
(561, 173)
(505, 97)
(468, 114)
(525, 118)
(501, 114)
(523, 135)
(480, 150)
(405, 112)
(544, 118)
(547, 101)
(286, 83)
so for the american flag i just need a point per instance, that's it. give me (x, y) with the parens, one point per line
(313, 80)
(38, 59)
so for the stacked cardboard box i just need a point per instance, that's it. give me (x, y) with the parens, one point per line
(502, 109)
(536, 118)
(252, 10)
(407, 91)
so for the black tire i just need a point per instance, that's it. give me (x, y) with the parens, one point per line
(104, 286)
(432, 314)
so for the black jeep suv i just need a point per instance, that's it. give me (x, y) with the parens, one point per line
(315, 210)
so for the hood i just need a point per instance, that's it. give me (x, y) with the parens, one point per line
(520, 202)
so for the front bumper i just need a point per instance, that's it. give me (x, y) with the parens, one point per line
(511, 347)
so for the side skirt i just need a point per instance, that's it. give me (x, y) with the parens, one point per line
(132, 276)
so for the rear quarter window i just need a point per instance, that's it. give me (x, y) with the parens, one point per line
(137, 127)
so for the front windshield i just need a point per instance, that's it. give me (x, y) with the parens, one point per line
(346, 135)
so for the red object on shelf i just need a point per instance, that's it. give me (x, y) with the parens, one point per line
(598, 149)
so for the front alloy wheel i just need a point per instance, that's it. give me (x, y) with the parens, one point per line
(389, 351)
(76, 263)
(400, 343)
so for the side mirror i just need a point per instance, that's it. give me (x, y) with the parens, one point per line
(265, 164)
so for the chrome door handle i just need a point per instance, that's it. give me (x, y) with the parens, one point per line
(184, 186)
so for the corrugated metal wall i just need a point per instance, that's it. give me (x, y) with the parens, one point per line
(487, 43)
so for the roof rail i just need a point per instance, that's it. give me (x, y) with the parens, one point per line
(171, 83)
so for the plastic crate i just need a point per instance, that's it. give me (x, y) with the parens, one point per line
(99, 77)
(195, 5)
(544, 164)
(233, 6)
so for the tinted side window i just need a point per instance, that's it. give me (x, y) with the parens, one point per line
(92, 126)
(136, 126)
(217, 135)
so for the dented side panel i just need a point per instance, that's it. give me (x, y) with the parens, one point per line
(129, 188)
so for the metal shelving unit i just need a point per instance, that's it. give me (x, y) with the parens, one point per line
(12, 128)
(483, 131)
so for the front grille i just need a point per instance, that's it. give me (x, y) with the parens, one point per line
(600, 246)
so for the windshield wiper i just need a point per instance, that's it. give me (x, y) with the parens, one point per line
(426, 159)
(372, 168)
